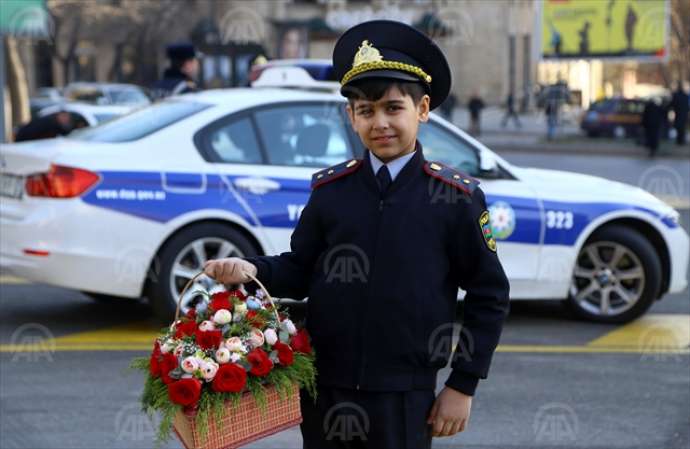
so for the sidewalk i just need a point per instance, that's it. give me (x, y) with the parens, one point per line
(531, 137)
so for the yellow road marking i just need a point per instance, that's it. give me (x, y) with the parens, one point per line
(7, 279)
(649, 333)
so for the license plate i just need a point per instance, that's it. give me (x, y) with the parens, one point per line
(11, 186)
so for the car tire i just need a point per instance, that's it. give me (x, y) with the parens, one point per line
(592, 134)
(635, 274)
(183, 256)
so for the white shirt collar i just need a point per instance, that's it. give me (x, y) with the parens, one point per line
(394, 166)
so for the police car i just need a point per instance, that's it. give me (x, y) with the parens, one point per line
(135, 206)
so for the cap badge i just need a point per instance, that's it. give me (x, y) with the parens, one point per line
(366, 53)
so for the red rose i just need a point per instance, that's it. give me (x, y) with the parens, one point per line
(209, 339)
(191, 314)
(239, 295)
(261, 364)
(255, 319)
(221, 300)
(300, 342)
(185, 329)
(230, 378)
(166, 365)
(285, 355)
(154, 366)
(185, 391)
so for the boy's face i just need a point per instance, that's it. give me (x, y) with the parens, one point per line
(388, 126)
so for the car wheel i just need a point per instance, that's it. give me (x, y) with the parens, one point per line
(183, 256)
(616, 278)
(619, 132)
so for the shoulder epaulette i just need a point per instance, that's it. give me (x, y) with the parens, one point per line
(332, 173)
(451, 176)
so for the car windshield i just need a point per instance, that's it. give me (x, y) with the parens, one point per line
(140, 123)
(128, 96)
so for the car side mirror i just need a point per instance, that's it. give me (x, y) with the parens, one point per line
(488, 167)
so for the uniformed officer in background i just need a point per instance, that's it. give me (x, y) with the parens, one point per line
(420, 230)
(180, 76)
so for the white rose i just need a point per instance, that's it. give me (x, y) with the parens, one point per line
(168, 346)
(289, 327)
(223, 316)
(240, 308)
(190, 364)
(209, 370)
(256, 338)
(235, 357)
(271, 336)
(207, 326)
(178, 351)
(234, 344)
(223, 355)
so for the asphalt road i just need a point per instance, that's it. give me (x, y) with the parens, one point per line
(555, 382)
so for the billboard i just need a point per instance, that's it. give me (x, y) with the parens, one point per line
(604, 29)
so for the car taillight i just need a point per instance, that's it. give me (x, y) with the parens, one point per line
(60, 182)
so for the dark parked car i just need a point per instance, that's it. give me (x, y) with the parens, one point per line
(616, 117)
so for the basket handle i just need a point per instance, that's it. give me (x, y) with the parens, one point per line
(253, 278)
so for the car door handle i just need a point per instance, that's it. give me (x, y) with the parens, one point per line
(257, 186)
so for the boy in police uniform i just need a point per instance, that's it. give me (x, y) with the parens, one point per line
(419, 230)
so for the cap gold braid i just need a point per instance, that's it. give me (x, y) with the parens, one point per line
(368, 58)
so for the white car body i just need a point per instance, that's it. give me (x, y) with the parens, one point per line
(107, 239)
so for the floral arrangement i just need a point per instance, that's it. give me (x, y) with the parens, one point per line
(229, 344)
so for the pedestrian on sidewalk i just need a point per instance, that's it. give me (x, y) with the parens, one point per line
(551, 111)
(651, 123)
(448, 107)
(679, 104)
(475, 105)
(410, 232)
(511, 112)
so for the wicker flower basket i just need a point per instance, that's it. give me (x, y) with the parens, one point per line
(242, 424)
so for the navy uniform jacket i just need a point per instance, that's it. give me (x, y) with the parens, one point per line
(173, 82)
(382, 276)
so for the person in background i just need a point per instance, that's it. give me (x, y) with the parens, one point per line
(448, 106)
(475, 105)
(551, 111)
(679, 104)
(180, 77)
(651, 123)
(47, 127)
(510, 111)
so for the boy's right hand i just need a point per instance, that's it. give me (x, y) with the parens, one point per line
(230, 270)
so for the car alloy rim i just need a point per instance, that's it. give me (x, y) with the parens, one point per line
(191, 260)
(608, 279)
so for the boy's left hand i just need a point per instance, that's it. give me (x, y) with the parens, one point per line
(450, 413)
